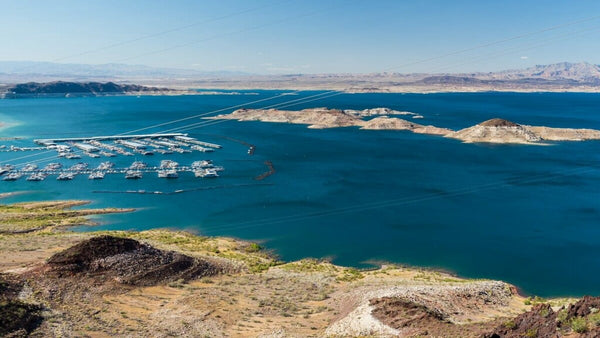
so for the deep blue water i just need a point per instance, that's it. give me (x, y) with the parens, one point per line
(529, 215)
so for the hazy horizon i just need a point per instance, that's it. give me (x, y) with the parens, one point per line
(273, 37)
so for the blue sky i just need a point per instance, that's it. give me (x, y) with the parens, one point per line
(293, 36)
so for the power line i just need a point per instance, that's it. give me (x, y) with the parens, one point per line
(160, 33)
(397, 201)
(334, 93)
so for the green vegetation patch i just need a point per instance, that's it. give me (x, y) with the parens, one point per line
(349, 275)
(310, 265)
(579, 325)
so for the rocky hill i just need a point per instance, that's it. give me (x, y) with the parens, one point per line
(76, 88)
(496, 131)
(503, 131)
(130, 262)
(582, 72)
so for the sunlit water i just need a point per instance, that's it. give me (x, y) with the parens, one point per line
(529, 215)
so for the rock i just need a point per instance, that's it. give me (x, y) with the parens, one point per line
(129, 262)
(496, 131)
(17, 318)
(542, 321)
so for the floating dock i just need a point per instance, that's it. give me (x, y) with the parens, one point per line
(48, 142)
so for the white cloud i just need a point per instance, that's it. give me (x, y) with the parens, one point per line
(524, 57)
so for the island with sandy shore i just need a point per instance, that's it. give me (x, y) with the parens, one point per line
(491, 131)
(157, 283)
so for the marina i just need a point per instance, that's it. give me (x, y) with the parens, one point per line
(95, 147)
(166, 169)
(112, 146)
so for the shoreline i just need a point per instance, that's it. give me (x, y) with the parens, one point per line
(71, 210)
(493, 131)
(262, 294)
(218, 90)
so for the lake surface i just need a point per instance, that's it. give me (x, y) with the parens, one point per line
(529, 215)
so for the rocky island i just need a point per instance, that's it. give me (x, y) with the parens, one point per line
(65, 88)
(320, 118)
(491, 131)
(504, 131)
(54, 282)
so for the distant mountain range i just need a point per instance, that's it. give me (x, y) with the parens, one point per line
(562, 76)
(22, 71)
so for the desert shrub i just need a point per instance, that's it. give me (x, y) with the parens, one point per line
(531, 333)
(579, 325)
(253, 247)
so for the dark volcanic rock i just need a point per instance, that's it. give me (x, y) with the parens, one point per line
(399, 313)
(129, 262)
(542, 321)
(17, 318)
(539, 322)
(583, 307)
(498, 123)
(84, 88)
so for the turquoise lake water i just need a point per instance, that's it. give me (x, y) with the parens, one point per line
(529, 215)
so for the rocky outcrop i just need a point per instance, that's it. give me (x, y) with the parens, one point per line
(17, 318)
(407, 310)
(315, 117)
(491, 131)
(129, 262)
(379, 112)
(577, 320)
(319, 118)
(393, 123)
(496, 131)
(503, 131)
(564, 134)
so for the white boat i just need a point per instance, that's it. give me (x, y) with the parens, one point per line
(206, 173)
(105, 165)
(138, 165)
(92, 155)
(168, 164)
(202, 164)
(96, 175)
(167, 173)
(30, 167)
(107, 154)
(6, 168)
(12, 177)
(144, 152)
(79, 166)
(36, 177)
(133, 174)
(72, 156)
(67, 176)
(52, 166)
